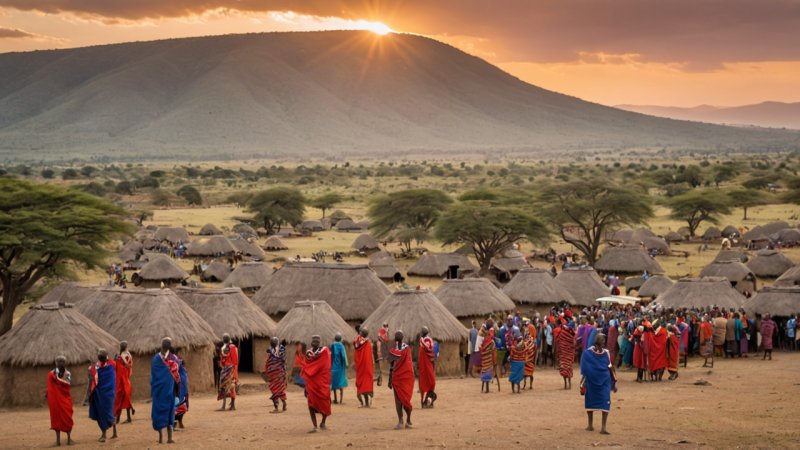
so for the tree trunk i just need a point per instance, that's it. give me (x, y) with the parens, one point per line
(10, 303)
(745, 213)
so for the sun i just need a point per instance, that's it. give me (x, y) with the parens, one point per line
(378, 28)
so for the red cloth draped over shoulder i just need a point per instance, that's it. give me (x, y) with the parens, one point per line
(122, 400)
(365, 370)
(403, 375)
(673, 351)
(317, 375)
(427, 375)
(657, 350)
(59, 399)
(639, 355)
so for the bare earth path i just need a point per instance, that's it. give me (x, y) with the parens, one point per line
(749, 404)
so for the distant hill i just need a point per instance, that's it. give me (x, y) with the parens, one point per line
(303, 94)
(767, 114)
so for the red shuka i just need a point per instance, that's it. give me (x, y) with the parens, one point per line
(365, 370)
(317, 375)
(59, 399)
(427, 375)
(673, 350)
(403, 375)
(639, 352)
(657, 350)
(124, 370)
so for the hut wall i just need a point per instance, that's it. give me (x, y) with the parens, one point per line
(27, 386)
(450, 363)
(199, 366)
(260, 346)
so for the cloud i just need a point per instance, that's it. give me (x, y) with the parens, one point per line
(699, 35)
(14, 33)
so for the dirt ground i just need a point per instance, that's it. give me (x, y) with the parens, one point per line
(749, 403)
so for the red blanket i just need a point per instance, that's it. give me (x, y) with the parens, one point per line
(657, 350)
(317, 375)
(365, 370)
(673, 351)
(402, 374)
(565, 343)
(122, 400)
(60, 401)
(427, 376)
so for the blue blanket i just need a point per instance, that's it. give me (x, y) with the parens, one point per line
(101, 401)
(338, 366)
(162, 393)
(598, 380)
(517, 372)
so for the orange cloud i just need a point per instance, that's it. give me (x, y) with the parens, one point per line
(14, 33)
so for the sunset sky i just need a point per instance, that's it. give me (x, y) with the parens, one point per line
(675, 52)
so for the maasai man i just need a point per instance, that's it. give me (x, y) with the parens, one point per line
(275, 373)
(768, 330)
(299, 362)
(183, 392)
(685, 330)
(612, 344)
(720, 325)
(383, 350)
(229, 373)
(599, 380)
(124, 370)
(425, 369)
(365, 369)
(657, 352)
(474, 350)
(488, 357)
(517, 356)
(102, 388)
(706, 340)
(530, 356)
(59, 400)
(401, 378)
(673, 350)
(338, 369)
(565, 344)
(317, 378)
(639, 351)
(164, 378)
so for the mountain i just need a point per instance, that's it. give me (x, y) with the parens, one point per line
(307, 94)
(766, 114)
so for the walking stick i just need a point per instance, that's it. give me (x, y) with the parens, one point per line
(497, 377)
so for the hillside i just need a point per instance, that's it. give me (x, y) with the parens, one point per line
(766, 114)
(303, 94)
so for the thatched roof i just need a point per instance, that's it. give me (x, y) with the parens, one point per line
(353, 291)
(701, 292)
(627, 259)
(730, 230)
(210, 246)
(313, 317)
(172, 235)
(472, 297)
(789, 278)
(244, 230)
(777, 301)
(628, 235)
(131, 251)
(365, 242)
(774, 227)
(274, 243)
(437, 264)
(216, 271)
(410, 310)
(685, 232)
(312, 225)
(712, 233)
(510, 264)
(755, 234)
(655, 286)
(657, 244)
(769, 264)
(247, 248)
(734, 271)
(67, 292)
(732, 255)
(382, 255)
(346, 225)
(537, 287)
(673, 236)
(229, 311)
(143, 317)
(209, 229)
(50, 330)
(383, 264)
(250, 275)
(786, 236)
(584, 284)
(162, 268)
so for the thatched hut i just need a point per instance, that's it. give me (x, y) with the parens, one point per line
(29, 349)
(249, 277)
(685, 232)
(756, 238)
(172, 235)
(210, 246)
(584, 284)
(346, 225)
(160, 269)
(338, 216)
(366, 243)
(383, 264)
(508, 264)
(777, 301)
(245, 231)
(473, 298)
(246, 248)
(537, 289)
(673, 236)
(732, 255)
(209, 229)
(275, 244)
(701, 292)
(229, 311)
(353, 291)
(143, 317)
(739, 275)
(789, 278)
(769, 264)
(786, 236)
(437, 265)
(410, 310)
(632, 260)
(654, 286)
(66, 292)
(312, 226)
(216, 272)
(774, 227)
(712, 233)
(627, 235)
(730, 231)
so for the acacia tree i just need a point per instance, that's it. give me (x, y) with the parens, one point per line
(326, 201)
(747, 198)
(407, 215)
(44, 231)
(696, 207)
(277, 206)
(584, 211)
(190, 194)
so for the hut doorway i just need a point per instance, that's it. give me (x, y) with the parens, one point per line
(245, 355)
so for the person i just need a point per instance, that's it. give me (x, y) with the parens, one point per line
(706, 341)
(548, 341)
(517, 355)
(365, 369)
(791, 332)
(612, 335)
(382, 349)
(229, 372)
(124, 370)
(474, 350)
(657, 351)
(731, 344)
(425, 369)
(598, 379)
(673, 350)
(299, 362)
(565, 344)
(275, 373)
(530, 355)
(500, 346)
(164, 378)
(768, 330)
(102, 389)
(720, 325)
(488, 358)
(59, 400)
(401, 378)
(316, 375)
(338, 369)
(183, 392)
(640, 351)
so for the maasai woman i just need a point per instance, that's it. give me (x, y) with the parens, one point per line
(488, 358)
(275, 373)
(338, 369)
(599, 380)
(59, 400)
(566, 353)
(517, 353)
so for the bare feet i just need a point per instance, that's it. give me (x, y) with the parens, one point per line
(604, 432)
(312, 431)
(102, 439)
(323, 427)
(399, 426)
(589, 428)
(409, 425)
(171, 441)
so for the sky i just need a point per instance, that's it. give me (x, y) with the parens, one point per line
(655, 52)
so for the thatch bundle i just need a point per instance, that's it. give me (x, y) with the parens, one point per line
(711, 234)
(162, 268)
(584, 284)
(627, 260)
(366, 243)
(245, 231)
(537, 287)
(173, 235)
(732, 255)
(739, 275)
(353, 291)
(246, 248)
(769, 264)
(786, 236)
(437, 264)
(655, 286)
(777, 301)
(216, 272)
(209, 229)
(274, 244)
(701, 293)
(248, 276)
(472, 298)
(211, 246)
(789, 278)
(29, 350)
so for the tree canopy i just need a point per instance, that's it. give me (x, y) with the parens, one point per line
(404, 214)
(190, 194)
(278, 206)
(326, 201)
(696, 207)
(747, 198)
